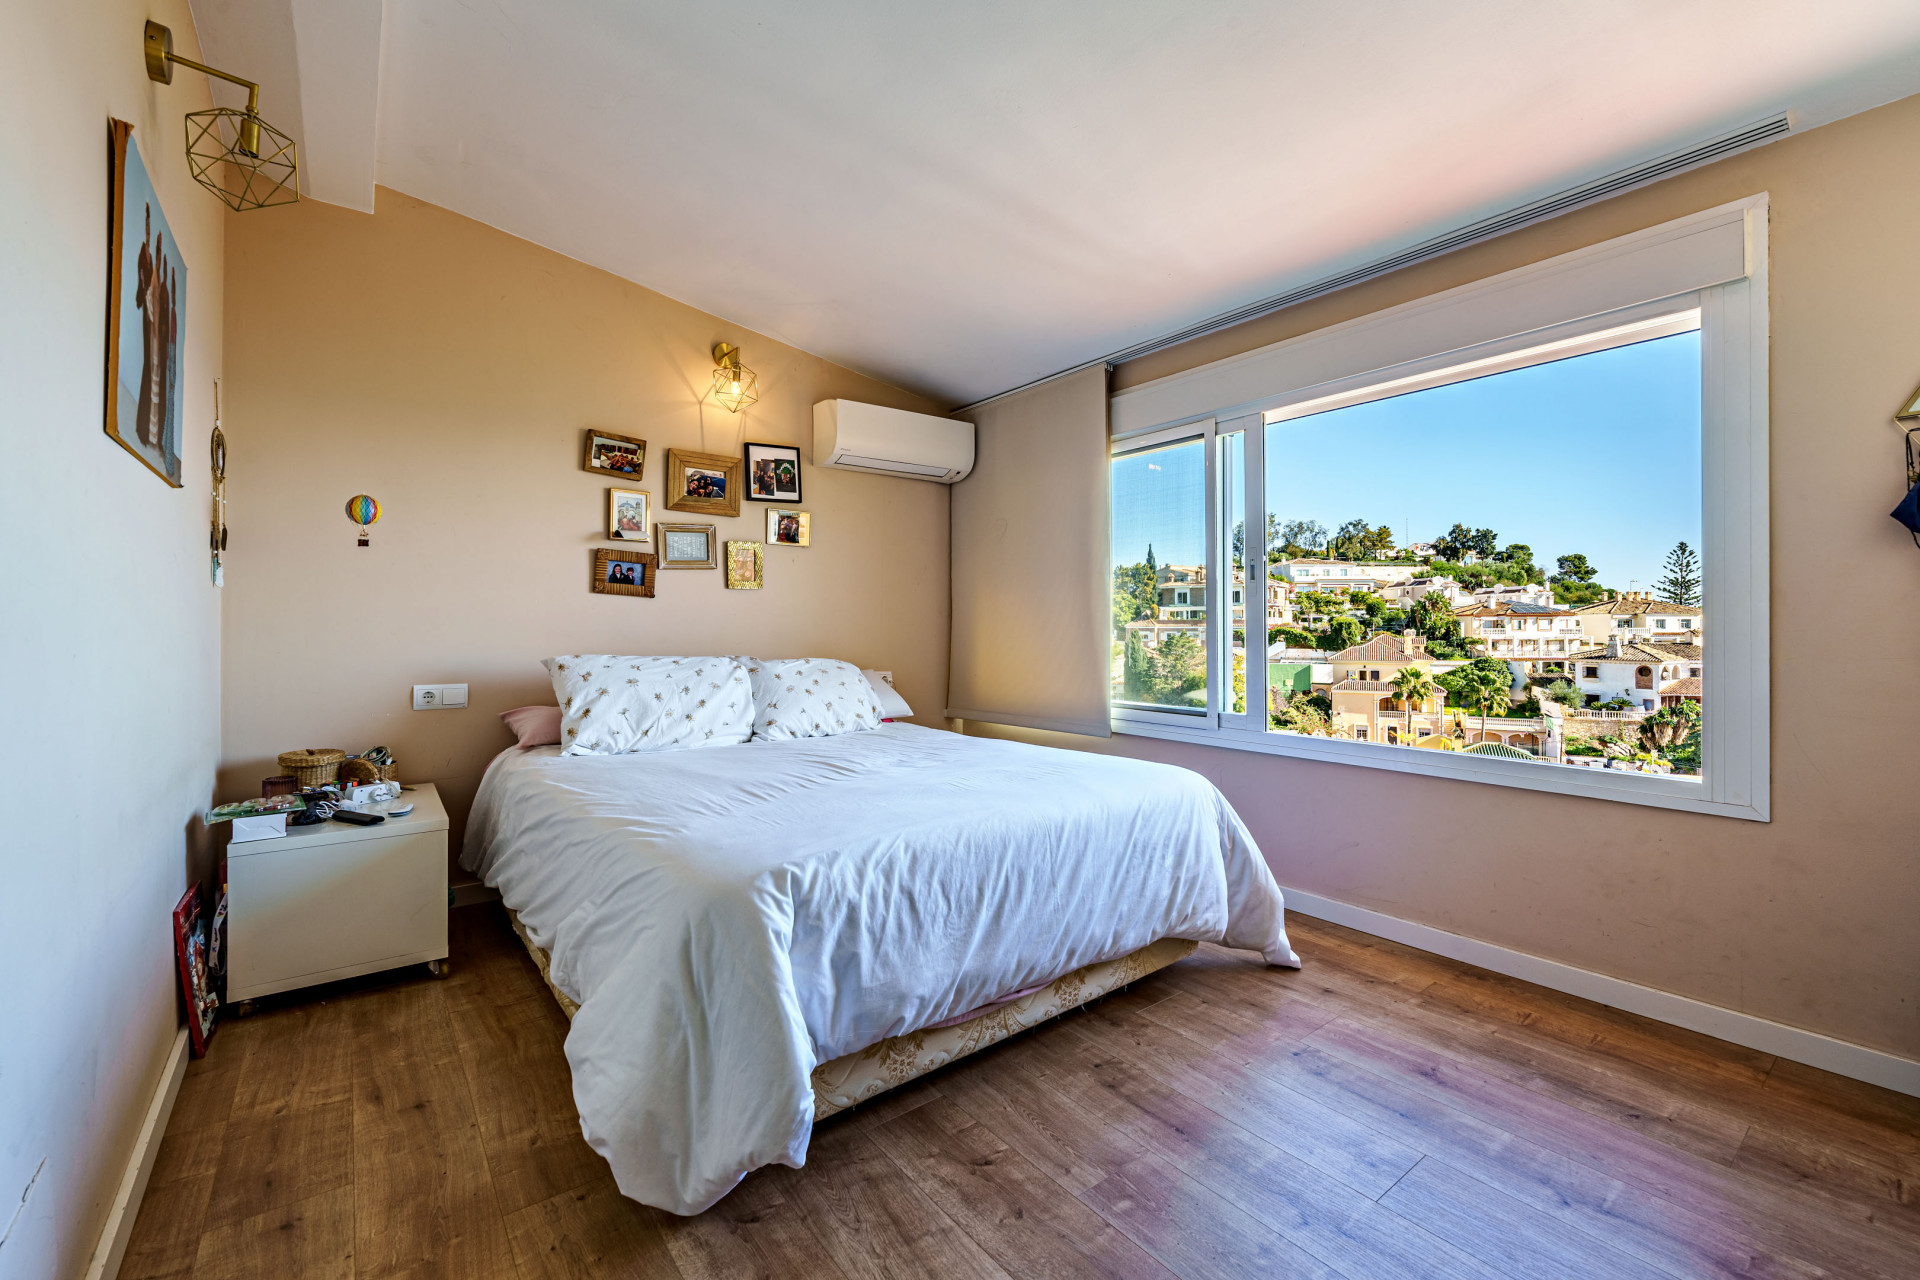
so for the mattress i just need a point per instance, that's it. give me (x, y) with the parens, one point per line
(853, 1078)
(730, 919)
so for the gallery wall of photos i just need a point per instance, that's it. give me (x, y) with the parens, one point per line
(692, 483)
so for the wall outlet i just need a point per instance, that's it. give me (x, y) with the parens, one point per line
(436, 697)
(886, 676)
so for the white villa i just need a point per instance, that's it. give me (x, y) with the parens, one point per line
(1647, 675)
(1638, 616)
(1522, 633)
(1339, 575)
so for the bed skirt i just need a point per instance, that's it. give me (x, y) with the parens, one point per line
(855, 1077)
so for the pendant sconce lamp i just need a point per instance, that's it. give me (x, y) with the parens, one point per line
(236, 155)
(734, 385)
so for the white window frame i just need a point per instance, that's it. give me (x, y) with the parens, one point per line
(1715, 261)
(1172, 719)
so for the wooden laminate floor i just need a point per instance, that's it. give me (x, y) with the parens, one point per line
(1382, 1113)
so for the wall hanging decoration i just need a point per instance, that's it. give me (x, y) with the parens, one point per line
(787, 528)
(773, 472)
(217, 447)
(363, 511)
(627, 515)
(687, 546)
(746, 566)
(236, 155)
(734, 385)
(623, 573)
(708, 483)
(146, 320)
(1908, 511)
(615, 455)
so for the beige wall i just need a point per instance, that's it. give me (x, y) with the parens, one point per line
(1808, 920)
(450, 370)
(109, 629)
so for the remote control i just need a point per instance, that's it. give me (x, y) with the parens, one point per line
(358, 819)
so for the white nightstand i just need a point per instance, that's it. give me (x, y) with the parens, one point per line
(332, 901)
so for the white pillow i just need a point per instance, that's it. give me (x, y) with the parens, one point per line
(892, 705)
(810, 698)
(612, 704)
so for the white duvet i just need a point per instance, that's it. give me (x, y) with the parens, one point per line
(728, 918)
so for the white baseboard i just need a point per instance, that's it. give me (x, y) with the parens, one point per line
(133, 1184)
(1810, 1047)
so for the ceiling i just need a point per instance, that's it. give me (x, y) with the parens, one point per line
(960, 198)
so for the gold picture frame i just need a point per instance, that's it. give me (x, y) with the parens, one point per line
(673, 544)
(623, 573)
(787, 527)
(628, 515)
(746, 566)
(708, 483)
(613, 455)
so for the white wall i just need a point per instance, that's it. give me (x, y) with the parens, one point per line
(109, 628)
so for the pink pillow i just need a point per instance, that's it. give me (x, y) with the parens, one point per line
(534, 726)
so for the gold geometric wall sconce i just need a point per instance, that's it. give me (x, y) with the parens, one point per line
(236, 155)
(734, 385)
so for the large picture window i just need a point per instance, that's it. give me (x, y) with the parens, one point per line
(1511, 534)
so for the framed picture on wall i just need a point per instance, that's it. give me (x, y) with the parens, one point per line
(708, 483)
(623, 573)
(615, 455)
(146, 313)
(789, 528)
(773, 472)
(627, 515)
(687, 546)
(746, 562)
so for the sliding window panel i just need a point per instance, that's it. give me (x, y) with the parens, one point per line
(1165, 575)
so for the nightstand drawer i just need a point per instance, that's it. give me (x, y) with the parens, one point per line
(301, 913)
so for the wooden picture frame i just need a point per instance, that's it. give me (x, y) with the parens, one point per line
(746, 566)
(614, 455)
(773, 472)
(629, 515)
(623, 573)
(692, 479)
(146, 314)
(789, 528)
(672, 543)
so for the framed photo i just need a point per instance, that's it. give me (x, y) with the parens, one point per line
(192, 955)
(773, 472)
(687, 546)
(745, 564)
(627, 515)
(789, 528)
(615, 455)
(146, 313)
(708, 483)
(623, 573)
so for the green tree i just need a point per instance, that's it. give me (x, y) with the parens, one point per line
(1562, 692)
(1573, 568)
(1484, 543)
(1434, 618)
(1454, 543)
(1344, 633)
(1670, 726)
(1134, 594)
(1302, 537)
(1681, 582)
(1481, 684)
(1415, 688)
(1573, 594)
(1136, 668)
(1518, 553)
(1309, 713)
(1180, 666)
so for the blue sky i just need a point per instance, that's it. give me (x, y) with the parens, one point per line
(1598, 454)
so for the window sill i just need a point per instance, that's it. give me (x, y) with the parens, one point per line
(1597, 784)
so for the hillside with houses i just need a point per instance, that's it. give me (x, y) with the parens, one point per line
(1454, 645)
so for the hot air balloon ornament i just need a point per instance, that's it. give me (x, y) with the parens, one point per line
(363, 511)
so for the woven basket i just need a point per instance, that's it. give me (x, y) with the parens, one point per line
(358, 771)
(313, 766)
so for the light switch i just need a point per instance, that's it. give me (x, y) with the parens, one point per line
(439, 697)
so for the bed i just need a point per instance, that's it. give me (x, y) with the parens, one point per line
(749, 938)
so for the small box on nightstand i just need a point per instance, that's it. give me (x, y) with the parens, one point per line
(333, 901)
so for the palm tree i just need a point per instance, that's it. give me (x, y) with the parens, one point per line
(1488, 688)
(1414, 687)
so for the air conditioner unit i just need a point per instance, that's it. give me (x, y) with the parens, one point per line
(891, 442)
